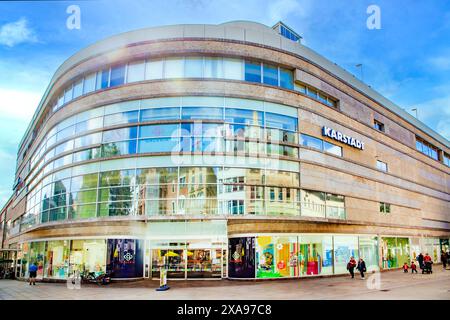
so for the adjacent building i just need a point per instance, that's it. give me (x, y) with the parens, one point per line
(221, 151)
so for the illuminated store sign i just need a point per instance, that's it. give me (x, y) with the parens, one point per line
(339, 136)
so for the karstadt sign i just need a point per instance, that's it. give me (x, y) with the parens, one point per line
(339, 136)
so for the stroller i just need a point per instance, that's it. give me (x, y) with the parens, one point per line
(427, 267)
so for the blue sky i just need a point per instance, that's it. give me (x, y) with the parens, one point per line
(407, 60)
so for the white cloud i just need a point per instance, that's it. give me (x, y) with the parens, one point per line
(18, 103)
(280, 9)
(17, 32)
(436, 114)
(440, 63)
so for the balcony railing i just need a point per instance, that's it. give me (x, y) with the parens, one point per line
(187, 207)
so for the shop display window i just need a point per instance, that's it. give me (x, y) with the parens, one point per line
(368, 250)
(315, 255)
(57, 259)
(124, 258)
(276, 257)
(345, 247)
(37, 252)
(88, 256)
(241, 262)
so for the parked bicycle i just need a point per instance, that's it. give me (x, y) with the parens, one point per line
(99, 279)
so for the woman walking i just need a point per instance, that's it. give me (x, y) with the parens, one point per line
(361, 267)
(351, 266)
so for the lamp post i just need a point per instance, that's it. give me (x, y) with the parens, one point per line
(359, 65)
(417, 115)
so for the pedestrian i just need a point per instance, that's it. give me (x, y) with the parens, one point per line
(444, 259)
(405, 267)
(420, 260)
(427, 263)
(361, 267)
(413, 267)
(32, 270)
(351, 266)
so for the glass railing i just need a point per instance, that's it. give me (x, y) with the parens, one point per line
(187, 207)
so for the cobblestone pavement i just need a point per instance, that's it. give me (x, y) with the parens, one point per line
(394, 285)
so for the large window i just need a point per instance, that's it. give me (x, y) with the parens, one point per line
(124, 258)
(253, 71)
(241, 253)
(446, 159)
(136, 71)
(319, 144)
(427, 148)
(117, 75)
(270, 74)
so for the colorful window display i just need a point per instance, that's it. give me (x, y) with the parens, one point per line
(57, 259)
(394, 252)
(241, 253)
(276, 257)
(37, 251)
(88, 256)
(124, 258)
(22, 259)
(345, 247)
(315, 255)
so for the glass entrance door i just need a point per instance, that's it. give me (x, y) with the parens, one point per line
(172, 260)
(192, 260)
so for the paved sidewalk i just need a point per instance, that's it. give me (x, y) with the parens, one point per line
(394, 285)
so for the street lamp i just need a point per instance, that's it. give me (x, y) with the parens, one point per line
(417, 116)
(359, 65)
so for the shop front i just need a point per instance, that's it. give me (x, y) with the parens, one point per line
(191, 259)
(58, 259)
(297, 255)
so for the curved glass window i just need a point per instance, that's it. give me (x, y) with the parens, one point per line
(158, 145)
(121, 117)
(270, 74)
(158, 130)
(279, 121)
(117, 75)
(253, 71)
(244, 116)
(188, 113)
(120, 134)
(160, 114)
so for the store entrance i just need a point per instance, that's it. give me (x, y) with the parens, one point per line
(187, 260)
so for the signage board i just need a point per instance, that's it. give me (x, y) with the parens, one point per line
(339, 136)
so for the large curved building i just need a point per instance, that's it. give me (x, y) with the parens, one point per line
(221, 151)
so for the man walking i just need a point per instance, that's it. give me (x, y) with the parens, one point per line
(351, 266)
(420, 260)
(444, 259)
(32, 271)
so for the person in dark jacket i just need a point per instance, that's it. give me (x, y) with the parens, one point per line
(361, 267)
(420, 260)
(444, 259)
(351, 266)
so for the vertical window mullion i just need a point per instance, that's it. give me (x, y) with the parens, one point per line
(262, 72)
(109, 77)
(125, 74)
